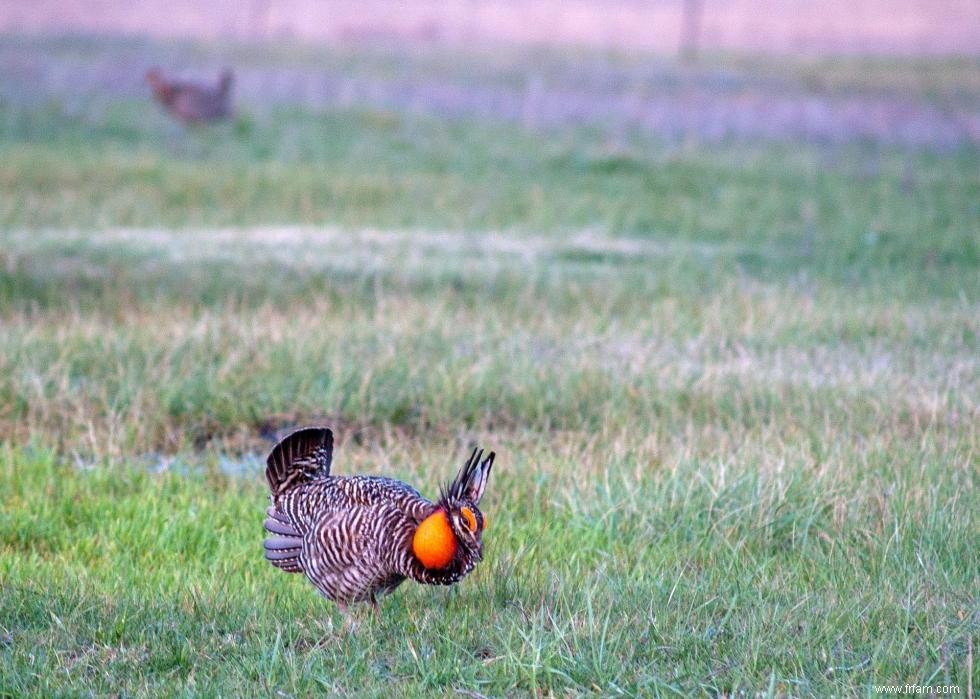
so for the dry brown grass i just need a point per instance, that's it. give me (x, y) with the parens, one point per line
(703, 374)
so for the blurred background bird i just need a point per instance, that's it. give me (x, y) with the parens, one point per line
(359, 537)
(193, 103)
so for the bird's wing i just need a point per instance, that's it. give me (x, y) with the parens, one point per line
(379, 491)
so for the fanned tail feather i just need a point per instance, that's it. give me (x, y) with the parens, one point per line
(298, 458)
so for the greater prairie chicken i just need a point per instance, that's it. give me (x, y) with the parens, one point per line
(359, 537)
(190, 102)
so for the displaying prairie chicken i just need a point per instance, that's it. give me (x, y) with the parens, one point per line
(359, 537)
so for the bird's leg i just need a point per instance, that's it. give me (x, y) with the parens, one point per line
(349, 624)
(375, 607)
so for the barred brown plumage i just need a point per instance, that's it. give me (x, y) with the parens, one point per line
(359, 537)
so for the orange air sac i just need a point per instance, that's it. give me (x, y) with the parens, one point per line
(434, 543)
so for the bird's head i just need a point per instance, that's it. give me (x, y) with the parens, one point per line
(454, 529)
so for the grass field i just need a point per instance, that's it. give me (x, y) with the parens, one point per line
(733, 390)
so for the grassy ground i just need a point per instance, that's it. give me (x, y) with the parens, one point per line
(733, 390)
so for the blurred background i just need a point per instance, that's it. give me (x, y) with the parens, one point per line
(672, 68)
(469, 150)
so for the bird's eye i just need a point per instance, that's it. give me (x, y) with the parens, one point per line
(469, 517)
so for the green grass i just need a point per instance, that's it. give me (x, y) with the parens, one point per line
(733, 390)
(849, 210)
(604, 572)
